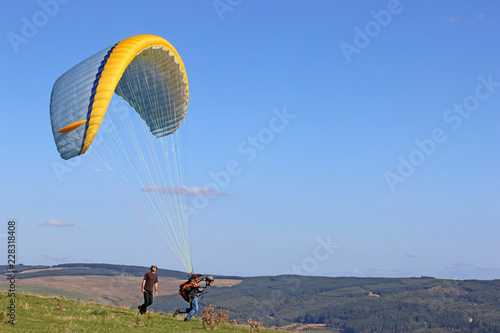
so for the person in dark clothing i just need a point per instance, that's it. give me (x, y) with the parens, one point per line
(149, 283)
(193, 305)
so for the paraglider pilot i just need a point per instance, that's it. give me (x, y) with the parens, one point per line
(198, 291)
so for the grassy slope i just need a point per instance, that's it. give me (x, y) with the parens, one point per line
(41, 314)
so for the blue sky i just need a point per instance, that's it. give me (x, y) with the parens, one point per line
(366, 135)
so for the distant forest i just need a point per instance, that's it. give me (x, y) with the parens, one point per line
(362, 304)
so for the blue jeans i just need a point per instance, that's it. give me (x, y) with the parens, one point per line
(192, 309)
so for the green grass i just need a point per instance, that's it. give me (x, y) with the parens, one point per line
(41, 314)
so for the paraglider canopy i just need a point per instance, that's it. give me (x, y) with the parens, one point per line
(145, 70)
(141, 154)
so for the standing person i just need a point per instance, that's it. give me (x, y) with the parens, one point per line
(149, 282)
(193, 305)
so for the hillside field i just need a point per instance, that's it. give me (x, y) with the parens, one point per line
(289, 302)
(58, 314)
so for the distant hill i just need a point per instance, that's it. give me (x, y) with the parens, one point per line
(363, 304)
(344, 304)
(107, 284)
(29, 271)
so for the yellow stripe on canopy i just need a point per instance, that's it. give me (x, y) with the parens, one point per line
(121, 56)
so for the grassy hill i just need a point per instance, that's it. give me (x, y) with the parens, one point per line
(55, 314)
(340, 304)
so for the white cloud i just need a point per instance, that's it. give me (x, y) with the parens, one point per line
(57, 258)
(56, 223)
(452, 20)
(471, 271)
(407, 254)
(355, 272)
(193, 191)
(369, 272)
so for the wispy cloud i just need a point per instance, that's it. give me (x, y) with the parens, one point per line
(469, 271)
(192, 191)
(454, 20)
(409, 255)
(374, 272)
(56, 223)
(57, 258)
